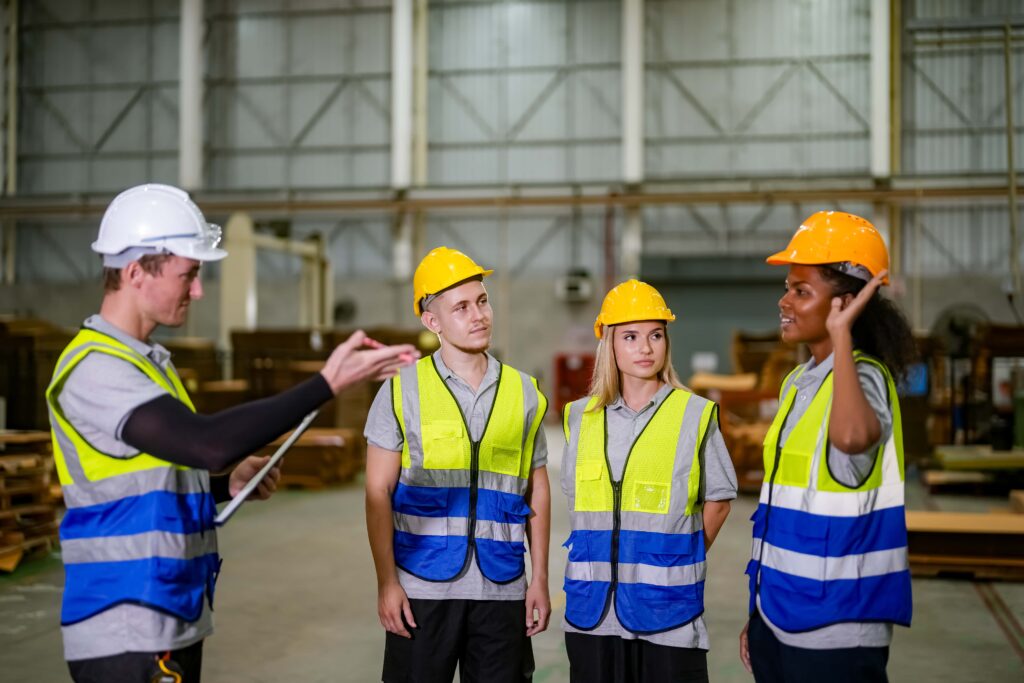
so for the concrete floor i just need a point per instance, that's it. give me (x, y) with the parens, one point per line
(297, 602)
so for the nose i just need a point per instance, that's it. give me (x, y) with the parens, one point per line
(195, 290)
(782, 299)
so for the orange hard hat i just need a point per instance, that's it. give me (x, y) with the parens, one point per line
(630, 301)
(835, 237)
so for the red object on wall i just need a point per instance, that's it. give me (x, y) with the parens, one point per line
(572, 378)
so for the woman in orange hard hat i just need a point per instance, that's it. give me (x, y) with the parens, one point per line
(828, 572)
(649, 482)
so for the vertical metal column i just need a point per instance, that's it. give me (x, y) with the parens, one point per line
(190, 96)
(1011, 165)
(632, 129)
(10, 227)
(880, 65)
(401, 141)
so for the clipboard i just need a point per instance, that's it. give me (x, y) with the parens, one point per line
(224, 515)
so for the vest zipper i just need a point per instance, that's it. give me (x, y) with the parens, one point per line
(616, 525)
(474, 485)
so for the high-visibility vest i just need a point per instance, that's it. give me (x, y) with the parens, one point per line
(639, 539)
(455, 494)
(138, 529)
(823, 552)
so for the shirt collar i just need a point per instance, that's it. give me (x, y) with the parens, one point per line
(155, 352)
(815, 372)
(620, 404)
(490, 376)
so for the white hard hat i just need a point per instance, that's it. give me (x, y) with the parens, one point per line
(156, 219)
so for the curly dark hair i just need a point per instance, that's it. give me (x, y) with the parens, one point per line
(881, 330)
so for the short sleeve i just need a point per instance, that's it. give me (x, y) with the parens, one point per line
(719, 474)
(99, 395)
(851, 469)
(382, 429)
(540, 449)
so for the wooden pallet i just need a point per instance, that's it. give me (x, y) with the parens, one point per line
(976, 568)
(975, 545)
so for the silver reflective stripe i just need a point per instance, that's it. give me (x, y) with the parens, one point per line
(170, 479)
(417, 476)
(642, 521)
(499, 531)
(855, 566)
(411, 416)
(590, 521)
(431, 526)
(70, 455)
(138, 547)
(503, 482)
(834, 503)
(637, 573)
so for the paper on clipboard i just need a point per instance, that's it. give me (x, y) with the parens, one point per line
(237, 501)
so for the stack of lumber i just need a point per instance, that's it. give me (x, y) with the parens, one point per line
(978, 458)
(29, 349)
(321, 457)
(28, 508)
(979, 545)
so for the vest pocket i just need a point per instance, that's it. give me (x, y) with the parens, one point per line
(502, 459)
(649, 496)
(578, 567)
(445, 445)
(421, 516)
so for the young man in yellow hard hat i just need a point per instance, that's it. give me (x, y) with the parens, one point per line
(134, 459)
(456, 483)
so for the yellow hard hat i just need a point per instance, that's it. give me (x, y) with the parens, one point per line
(631, 301)
(439, 270)
(835, 237)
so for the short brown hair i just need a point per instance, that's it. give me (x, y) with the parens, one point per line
(151, 263)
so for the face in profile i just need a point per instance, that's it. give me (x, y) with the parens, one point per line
(805, 306)
(462, 317)
(165, 296)
(640, 348)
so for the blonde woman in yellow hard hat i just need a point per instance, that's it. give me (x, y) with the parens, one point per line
(456, 484)
(649, 482)
(828, 573)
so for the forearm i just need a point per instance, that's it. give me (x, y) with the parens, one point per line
(380, 531)
(166, 428)
(853, 426)
(715, 512)
(538, 527)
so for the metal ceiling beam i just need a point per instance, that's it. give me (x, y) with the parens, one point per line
(91, 207)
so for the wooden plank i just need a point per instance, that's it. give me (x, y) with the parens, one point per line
(953, 478)
(973, 567)
(23, 437)
(978, 457)
(964, 522)
(1017, 502)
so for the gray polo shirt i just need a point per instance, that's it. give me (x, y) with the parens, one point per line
(98, 396)
(850, 469)
(382, 430)
(718, 482)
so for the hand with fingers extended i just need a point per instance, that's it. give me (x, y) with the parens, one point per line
(392, 607)
(538, 608)
(350, 364)
(845, 312)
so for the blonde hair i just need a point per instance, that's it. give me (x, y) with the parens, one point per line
(606, 384)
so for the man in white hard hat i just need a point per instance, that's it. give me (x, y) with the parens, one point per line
(134, 459)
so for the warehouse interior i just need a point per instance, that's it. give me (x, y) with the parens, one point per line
(569, 145)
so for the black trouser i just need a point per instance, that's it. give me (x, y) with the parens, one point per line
(776, 662)
(611, 659)
(485, 638)
(139, 667)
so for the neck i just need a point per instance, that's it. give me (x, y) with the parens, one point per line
(116, 310)
(637, 392)
(820, 349)
(470, 366)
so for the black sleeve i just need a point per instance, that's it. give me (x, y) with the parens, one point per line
(166, 428)
(219, 487)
